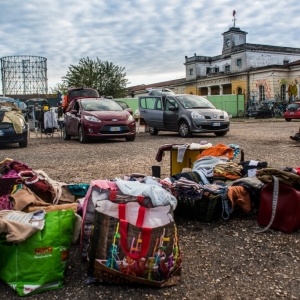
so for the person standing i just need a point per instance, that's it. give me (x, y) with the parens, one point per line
(60, 115)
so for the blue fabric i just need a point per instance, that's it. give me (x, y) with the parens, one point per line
(79, 189)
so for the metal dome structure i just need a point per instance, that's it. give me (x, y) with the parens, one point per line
(24, 74)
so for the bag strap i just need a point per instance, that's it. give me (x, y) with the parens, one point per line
(145, 236)
(274, 204)
(140, 217)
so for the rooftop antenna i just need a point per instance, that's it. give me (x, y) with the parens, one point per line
(234, 19)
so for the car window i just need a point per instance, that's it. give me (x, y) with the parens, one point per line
(264, 107)
(100, 105)
(123, 104)
(83, 93)
(193, 101)
(158, 104)
(170, 102)
(149, 102)
(76, 106)
(293, 106)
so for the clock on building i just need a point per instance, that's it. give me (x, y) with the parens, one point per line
(228, 42)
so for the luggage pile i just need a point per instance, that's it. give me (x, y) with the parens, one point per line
(217, 184)
(126, 226)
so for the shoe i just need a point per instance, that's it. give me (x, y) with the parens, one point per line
(293, 138)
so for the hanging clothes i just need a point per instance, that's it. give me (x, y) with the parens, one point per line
(50, 121)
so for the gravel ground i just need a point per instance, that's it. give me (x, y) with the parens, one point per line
(222, 259)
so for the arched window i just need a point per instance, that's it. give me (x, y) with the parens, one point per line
(283, 92)
(240, 91)
(262, 96)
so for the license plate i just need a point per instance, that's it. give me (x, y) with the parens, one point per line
(291, 112)
(216, 124)
(115, 128)
(1, 132)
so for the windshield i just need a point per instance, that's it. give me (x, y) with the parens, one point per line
(100, 105)
(193, 101)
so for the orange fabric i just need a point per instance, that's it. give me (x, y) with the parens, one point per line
(65, 101)
(217, 150)
(50, 208)
(227, 175)
(238, 195)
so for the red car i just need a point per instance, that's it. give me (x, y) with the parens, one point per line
(292, 111)
(96, 118)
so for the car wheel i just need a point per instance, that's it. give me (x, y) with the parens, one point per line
(65, 135)
(288, 120)
(184, 130)
(222, 133)
(153, 131)
(82, 137)
(23, 144)
(130, 139)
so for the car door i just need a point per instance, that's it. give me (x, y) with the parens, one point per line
(73, 119)
(171, 116)
(151, 109)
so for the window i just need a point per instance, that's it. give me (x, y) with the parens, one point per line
(285, 62)
(191, 71)
(148, 102)
(240, 91)
(208, 70)
(171, 102)
(262, 96)
(158, 104)
(227, 68)
(239, 62)
(283, 92)
(216, 70)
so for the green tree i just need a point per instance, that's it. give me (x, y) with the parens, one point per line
(107, 78)
(59, 87)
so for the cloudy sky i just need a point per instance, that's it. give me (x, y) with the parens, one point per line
(150, 38)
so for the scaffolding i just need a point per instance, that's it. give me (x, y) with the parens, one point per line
(24, 74)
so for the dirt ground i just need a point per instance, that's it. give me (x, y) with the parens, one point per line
(221, 260)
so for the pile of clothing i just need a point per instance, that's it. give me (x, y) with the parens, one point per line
(37, 215)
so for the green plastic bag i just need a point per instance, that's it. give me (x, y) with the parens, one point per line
(38, 264)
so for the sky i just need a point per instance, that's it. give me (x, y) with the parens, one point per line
(149, 38)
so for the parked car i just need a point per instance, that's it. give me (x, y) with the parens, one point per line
(292, 111)
(260, 112)
(12, 131)
(183, 113)
(96, 118)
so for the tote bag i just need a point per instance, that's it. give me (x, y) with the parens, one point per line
(38, 263)
(132, 244)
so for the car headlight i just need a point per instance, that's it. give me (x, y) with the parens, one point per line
(92, 119)
(130, 118)
(225, 114)
(196, 115)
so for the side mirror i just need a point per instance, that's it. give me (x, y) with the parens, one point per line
(74, 111)
(172, 108)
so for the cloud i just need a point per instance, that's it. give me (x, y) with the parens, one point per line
(149, 38)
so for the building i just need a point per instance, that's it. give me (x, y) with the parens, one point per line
(262, 73)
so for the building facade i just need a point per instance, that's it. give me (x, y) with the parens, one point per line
(262, 73)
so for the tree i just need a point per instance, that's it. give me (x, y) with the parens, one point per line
(59, 87)
(107, 78)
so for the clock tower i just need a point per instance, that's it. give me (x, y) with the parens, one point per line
(233, 37)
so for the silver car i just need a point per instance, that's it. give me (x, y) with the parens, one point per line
(182, 113)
